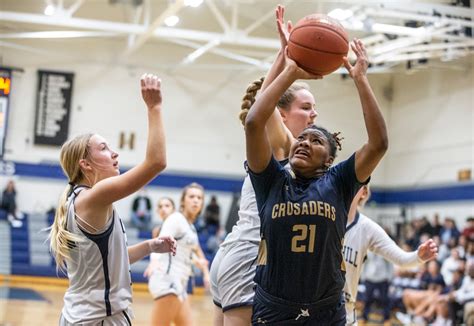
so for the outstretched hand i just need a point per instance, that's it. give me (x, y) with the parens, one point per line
(151, 90)
(296, 71)
(428, 250)
(163, 244)
(362, 61)
(283, 31)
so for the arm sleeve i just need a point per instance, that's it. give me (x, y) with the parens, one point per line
(383, 245)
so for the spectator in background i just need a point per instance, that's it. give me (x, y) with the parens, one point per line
(470, 252)
(449, 231)
(436, 225)
(212, 213)
(164, 209)
(378, 272)
(141, 211)
(418, 301)
(450, 265)
(425, 227)
(9, 205)
(468, 231)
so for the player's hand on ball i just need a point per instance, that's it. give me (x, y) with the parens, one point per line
(151, 90)
(296, 71)
(283, 31)
(359, 69)
(163, 244)
(428, 250)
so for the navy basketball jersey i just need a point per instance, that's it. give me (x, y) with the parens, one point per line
(303, 222)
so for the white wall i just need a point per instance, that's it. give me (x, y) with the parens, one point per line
(429, 118)
(431, 127)
(200, 114)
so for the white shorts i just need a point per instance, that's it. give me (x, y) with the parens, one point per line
(160, 285)
(232, 273)
(123, 318)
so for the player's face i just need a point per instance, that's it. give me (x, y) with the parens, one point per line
(102, 159)
(301, 113)
(310, 153)
(192, 202)
(165, 208)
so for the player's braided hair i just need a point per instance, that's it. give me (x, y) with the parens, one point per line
(249, 98)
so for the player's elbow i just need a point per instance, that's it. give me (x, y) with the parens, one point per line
(252, 124)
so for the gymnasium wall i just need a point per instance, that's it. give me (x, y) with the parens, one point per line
(429, 116)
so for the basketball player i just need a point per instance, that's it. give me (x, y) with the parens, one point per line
(304, 211)
(164, 209)
(88, 236)
(233, 267)
(362, 235)
(169, 278)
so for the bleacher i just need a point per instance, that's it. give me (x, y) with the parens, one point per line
(27, 251)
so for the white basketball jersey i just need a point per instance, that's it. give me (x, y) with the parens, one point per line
(98, 271)
(362, 235)
(248, 225)
(180, 265)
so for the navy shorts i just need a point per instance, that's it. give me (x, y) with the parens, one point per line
(270, 310)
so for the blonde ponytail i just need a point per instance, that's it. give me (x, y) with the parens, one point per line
(61, 241)
(249, 98)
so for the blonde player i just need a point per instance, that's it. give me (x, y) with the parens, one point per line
(233, 268)
(363, 235)
(87, 236)
(169, 275)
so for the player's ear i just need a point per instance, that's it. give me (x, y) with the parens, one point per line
(329, 162)
(85, 165)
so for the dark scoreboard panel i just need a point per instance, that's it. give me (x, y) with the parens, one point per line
(53, 107)
(5, 88)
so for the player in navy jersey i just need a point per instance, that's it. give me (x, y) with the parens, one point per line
(87, 237)
(303, 212)
(233, 268)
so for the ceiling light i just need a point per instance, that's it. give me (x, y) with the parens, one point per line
(49, 10)
(193, 3)
(171, 21)
(341, 14)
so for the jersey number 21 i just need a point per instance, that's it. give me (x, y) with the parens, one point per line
(303, 242)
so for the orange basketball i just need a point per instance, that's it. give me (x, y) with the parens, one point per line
(318, 43)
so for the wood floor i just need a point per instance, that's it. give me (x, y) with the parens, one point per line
(33, 310)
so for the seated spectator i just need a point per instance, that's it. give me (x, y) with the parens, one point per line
(437, 227)
(141, 211)
(470, 252)
(463, 296)
(420, 302)
(450, 265)
(164, 209)
(9, 205)
(468, 231)
(449, 231)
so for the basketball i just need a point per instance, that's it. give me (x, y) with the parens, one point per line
(318, 43)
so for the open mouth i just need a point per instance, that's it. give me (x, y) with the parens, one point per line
(301, 153)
